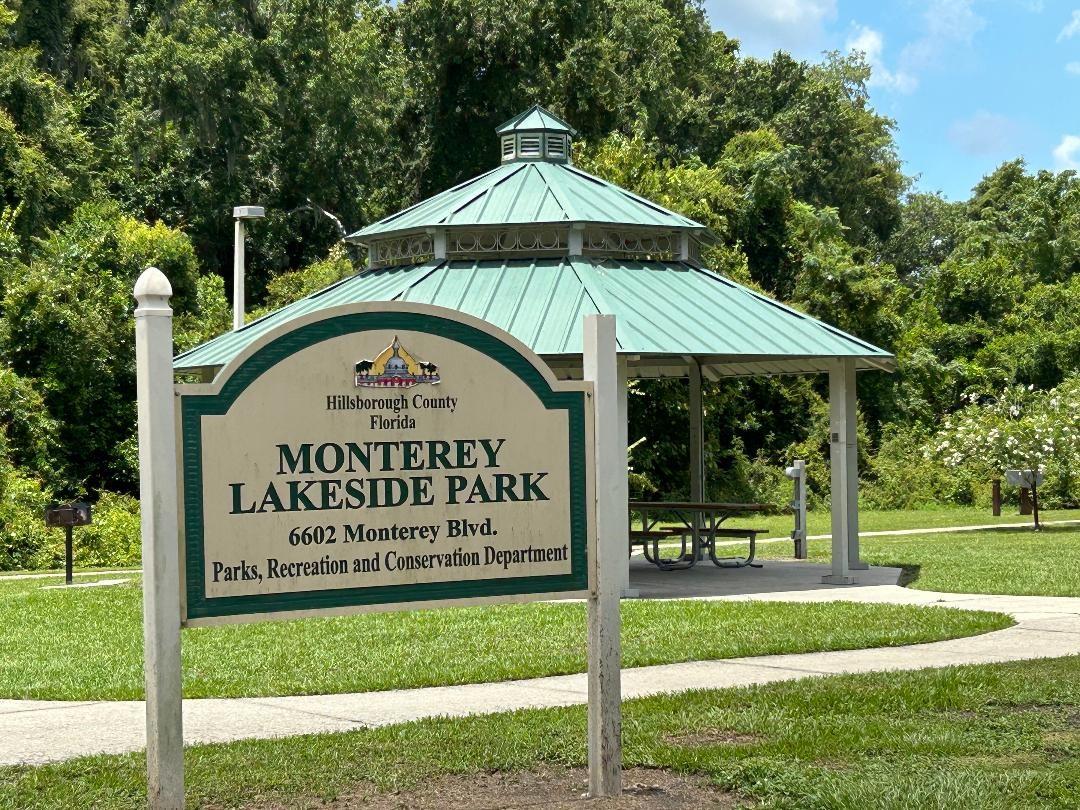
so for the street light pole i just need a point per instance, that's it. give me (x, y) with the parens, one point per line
(240, 214)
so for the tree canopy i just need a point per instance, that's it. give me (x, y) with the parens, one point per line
(129, 129)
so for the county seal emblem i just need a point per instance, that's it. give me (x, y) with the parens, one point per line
(394, 367)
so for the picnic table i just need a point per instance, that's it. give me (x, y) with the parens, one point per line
(701, 526)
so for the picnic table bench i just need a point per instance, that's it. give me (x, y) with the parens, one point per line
(701, 526)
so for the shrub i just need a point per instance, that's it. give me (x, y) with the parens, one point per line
(113, 538)
(25, 543)
(900, 476)
(289, 287)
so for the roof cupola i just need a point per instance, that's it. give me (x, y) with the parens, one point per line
(536, 134)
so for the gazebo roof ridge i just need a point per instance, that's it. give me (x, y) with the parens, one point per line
(536, 119)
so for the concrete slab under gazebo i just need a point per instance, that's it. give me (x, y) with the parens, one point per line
(536, 244)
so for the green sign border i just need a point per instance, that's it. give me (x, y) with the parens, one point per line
(193, 407)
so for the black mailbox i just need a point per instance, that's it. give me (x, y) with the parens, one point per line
(73, 514)
(66, 517)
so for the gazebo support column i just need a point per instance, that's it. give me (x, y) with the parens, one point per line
(843, 456)
(622, 381)
(697, 434)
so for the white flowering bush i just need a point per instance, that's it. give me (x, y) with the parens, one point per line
(1019, 428)
(902, 476)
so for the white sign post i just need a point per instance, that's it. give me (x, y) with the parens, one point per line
(161, 570)
(605, 653)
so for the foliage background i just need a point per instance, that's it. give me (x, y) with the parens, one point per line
(129, 129)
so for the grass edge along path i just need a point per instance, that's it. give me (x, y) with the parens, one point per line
(982, 736)
(819, 521)
(1016, 562)
(39, 629)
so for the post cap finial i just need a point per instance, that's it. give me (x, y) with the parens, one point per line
(152, 284)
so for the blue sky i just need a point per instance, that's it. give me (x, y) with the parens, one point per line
(970, 83)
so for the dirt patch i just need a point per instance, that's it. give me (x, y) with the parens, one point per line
(1026, 708)
(556, 789)
(1068, 738)
(712, 736)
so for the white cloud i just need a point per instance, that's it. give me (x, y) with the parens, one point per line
(984, 133)
(872, 45)
(946, 24)
(765, 26)
(1067, 153)
(1073, 68)
(1072, 27)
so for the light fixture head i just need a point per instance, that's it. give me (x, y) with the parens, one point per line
(249, 212)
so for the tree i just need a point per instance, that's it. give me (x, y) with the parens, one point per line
(45, 157)
(67, 323)
(930, 229)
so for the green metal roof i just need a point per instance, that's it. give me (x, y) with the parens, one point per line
(529, 193)
(665, 311)
(533, 119)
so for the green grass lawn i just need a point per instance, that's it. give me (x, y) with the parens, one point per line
(818, 522)
(86, 643)
(1004, 561)
(985, 737)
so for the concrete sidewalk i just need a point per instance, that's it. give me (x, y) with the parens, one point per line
(41, 731)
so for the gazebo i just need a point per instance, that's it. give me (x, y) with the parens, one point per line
(535, 244)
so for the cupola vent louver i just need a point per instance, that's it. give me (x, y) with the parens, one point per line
(535, 134)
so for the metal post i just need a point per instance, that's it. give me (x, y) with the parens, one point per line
(851, 447)
(67, 554)
(1035, 498)
(238, 275)
(841, 428)
(797, 472)
(161, 571)
(604, 653)
(995, 497)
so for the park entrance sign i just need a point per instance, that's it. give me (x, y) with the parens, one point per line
(379, 456)
(374, 457)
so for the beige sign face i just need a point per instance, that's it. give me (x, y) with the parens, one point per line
(379, 457)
